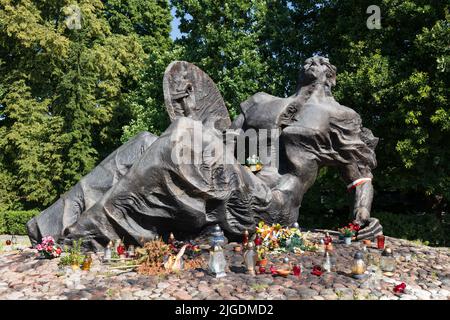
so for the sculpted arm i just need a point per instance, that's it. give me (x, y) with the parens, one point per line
(360, 179)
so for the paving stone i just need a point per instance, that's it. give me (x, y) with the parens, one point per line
(307, 293)
(163, 285)
(14, 296)
(182, 295)
(425, 270)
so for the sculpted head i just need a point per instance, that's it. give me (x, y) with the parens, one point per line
(318, 70)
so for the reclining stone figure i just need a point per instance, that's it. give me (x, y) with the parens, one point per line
(188, 179)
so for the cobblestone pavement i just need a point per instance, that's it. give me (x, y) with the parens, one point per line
(424, 270)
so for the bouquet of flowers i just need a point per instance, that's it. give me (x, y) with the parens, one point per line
(277, 238)
(347, 232)
(254, 163)
(48, 249)
(351, 230)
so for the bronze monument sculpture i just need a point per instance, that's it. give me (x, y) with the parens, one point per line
(190, 179)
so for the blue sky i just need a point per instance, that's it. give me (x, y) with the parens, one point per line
(175, 33)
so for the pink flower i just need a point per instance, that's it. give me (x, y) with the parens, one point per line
(48, 240)
(39, 247)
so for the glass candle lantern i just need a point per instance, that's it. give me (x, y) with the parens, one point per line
(245, 238)
(217, 262)
(327, 262)
(121, 250)
(107, 253)
(380, 241)
(131, 251)
(327, 239)
(258, 240)
(364, 252)
(217, 237)
(333, 266)
(250, 258)
(375, 277)
(387, 260)
(321, 246)
(86, 266)
(117, 243)
(371, 260)
(358, 267)
(171, 239)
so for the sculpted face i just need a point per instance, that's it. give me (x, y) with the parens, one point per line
(318, 69)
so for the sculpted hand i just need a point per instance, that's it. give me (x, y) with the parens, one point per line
(370, 227)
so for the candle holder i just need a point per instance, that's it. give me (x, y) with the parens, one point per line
(217, 237)
(131, 251)
(250, 258)
(258, 240)
(327, 239)
(86, 266)
(358, 267)
(245, 238)
(321, 246)
(121, 250)
(217, 262)
(387, 260)
(380, 242)
(107, 252)
(327, 263)
(297, 270)
(171, 239)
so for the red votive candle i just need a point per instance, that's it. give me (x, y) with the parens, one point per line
(380, 241)
(297, 270)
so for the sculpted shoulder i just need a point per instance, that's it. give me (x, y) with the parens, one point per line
(265, 111)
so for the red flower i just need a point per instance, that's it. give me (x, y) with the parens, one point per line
(49, 248)
(273, 270)
(317, 271)
(58, 251)
(354, 226)
(400, 288)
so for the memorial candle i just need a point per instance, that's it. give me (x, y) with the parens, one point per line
(380, 241)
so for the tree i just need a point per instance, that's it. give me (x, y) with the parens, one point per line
(150, 22)
(222, 38)
(32, 146)
(61, 59)
(396, 77)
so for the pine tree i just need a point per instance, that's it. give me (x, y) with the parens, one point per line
(64, 75)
